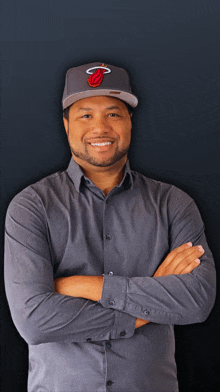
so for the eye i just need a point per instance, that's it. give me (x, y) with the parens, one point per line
(86, 116)
(113, 115)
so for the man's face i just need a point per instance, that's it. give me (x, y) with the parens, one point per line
(99, 131)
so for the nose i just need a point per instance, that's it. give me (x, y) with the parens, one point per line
(100, 125)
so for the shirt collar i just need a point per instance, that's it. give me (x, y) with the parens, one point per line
(76, 174)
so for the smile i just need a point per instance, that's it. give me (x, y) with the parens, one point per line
(101, 144)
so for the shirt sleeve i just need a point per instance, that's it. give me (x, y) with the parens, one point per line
(171, 299)
(40, 314)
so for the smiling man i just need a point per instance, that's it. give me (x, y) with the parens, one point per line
(100, 261)
(99, 131)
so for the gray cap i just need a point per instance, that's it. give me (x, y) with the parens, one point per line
(94, 79)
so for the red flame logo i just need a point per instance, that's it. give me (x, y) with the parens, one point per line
(95, 79)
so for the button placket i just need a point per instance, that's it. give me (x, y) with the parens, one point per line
(108, 344)
(107, 237)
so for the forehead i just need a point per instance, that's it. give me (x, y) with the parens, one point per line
(98, 102)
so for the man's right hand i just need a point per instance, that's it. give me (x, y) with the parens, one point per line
(181, 260)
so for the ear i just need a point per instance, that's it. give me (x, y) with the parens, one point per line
(66, 125)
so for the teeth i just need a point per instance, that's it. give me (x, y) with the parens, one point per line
(101, 144)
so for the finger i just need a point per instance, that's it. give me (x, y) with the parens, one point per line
(184, 255)
(172, 255)
(167, 266)
(186, 258)
(190, 254)
(190, 267)
(179, 260)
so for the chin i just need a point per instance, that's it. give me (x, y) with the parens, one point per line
(99, 162)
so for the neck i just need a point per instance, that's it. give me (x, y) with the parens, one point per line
(105, 178)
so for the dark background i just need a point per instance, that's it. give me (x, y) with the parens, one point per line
(171, 50)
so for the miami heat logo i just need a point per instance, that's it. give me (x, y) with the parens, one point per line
(96, 78)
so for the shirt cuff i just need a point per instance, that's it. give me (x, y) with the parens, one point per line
(114, 292)
(124, 326)
(120, 293)
(114, 296)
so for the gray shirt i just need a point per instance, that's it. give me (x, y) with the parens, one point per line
(64, 225)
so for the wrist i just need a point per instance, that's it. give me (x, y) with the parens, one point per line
(88, 287)
(91, 287)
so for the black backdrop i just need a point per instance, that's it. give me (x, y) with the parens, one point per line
(171, 50)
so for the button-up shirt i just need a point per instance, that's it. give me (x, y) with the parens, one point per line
(64, 225)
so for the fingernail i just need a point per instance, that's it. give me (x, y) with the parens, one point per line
(197, 261)
(189, 243)
(200, 248)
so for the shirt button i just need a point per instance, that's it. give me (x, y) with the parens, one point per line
(112, 302)
(146, 311)
(109, 382)
(122, 333)
(107, 201)
(88, 340)
(108, 237)
(108, 344)
(111, 273)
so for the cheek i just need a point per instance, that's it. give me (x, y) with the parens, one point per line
(75, 136)
(73, 140)
(124, 131)
(126, 135)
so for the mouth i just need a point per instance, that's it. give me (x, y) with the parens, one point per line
(101, 144)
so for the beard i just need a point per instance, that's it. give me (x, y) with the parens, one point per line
(85, 156)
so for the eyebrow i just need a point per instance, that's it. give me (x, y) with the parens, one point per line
(113, 107)
(84, 109)
(90, 109)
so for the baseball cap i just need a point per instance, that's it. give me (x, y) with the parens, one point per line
(94, 79)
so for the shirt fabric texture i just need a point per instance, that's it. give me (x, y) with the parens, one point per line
(64, 225)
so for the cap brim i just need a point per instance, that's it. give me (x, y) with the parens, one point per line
(122, 95)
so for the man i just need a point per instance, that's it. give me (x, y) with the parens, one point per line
(101, 261)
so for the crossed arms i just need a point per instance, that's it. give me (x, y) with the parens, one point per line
(181, 260)
(93, 307)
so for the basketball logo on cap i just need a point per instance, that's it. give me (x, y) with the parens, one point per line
(96, 78)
